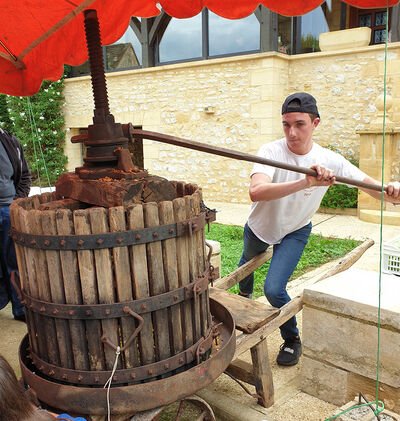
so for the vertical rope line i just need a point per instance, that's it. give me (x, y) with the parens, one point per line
(38, 140)
(33, 131)
(382, 195)
(33, 143)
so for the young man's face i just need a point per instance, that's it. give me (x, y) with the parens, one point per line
(298, 129)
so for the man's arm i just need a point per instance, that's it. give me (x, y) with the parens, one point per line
(393, 190)
(24, 184)
(262, 189)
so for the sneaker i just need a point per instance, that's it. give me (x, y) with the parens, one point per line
(290, 352)
(243, 294)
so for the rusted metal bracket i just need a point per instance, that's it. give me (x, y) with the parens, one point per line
(136, 374)
(115, 310)
(133, 335)
(110, 239)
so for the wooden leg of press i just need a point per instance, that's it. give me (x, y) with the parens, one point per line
(262, 374)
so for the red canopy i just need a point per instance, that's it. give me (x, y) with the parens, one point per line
(38, 36)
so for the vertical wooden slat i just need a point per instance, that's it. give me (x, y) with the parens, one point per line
(140, 280)
(105, 287)
(183, 267)
(57, 290)
(193, 272)
(47, 328)
(123, 283)
(72, 290)
(23, 274)
(201, 262)
(87, 275)
(157, 283)
(166, 215)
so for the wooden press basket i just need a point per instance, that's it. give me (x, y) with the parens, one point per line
(96, 279)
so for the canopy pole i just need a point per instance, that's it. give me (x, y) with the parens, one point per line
(215, 150)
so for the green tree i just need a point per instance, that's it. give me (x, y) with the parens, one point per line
(5, 122)
(38, 122)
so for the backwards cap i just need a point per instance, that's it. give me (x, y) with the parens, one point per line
(300, 102)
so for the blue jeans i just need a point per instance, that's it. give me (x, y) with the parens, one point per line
(284, 261)
(8, 263)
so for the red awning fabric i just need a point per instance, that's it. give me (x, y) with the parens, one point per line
(38, 36)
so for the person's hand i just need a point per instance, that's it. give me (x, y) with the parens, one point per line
(393, 192)
(325, 177)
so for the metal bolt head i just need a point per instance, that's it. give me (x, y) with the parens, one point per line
(166, 366)
(63, 243)
(88, 312)
(144, 306)
(80, 242)
(155, 234)
(42, 309)
(108, 311)
(71, 312)
(99, 241)
(33, 242)
(119, 240)
(51, 373)
(171, 230)
(133, 375)
(46, 243)
(138, 237)
(80, 378)
(55, 311)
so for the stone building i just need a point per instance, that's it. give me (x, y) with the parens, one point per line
(222, 82)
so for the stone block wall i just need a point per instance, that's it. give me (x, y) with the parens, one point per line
(244, 95)
(340, 319)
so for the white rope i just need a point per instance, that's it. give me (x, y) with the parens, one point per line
(109, 381)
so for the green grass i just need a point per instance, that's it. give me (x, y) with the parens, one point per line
(318, 251)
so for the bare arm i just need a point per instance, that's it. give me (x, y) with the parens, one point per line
(262, 189)
(393, 190)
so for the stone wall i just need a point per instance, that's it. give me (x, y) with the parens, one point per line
(235, 103)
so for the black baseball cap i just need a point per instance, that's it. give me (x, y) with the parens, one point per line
(300, 102)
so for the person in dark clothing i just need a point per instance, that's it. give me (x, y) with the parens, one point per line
(15, 181)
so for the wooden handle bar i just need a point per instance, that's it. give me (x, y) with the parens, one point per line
(185, 143)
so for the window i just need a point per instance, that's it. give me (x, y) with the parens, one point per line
(125, 53)
(372, 18)
(208, 35)
(232, 36)
(182, 40)
(307, 28)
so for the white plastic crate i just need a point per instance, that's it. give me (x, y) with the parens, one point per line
(391, 256)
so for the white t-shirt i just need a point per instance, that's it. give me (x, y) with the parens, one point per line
(271, 221)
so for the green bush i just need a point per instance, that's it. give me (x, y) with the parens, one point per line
(38, 123)
(339, 195)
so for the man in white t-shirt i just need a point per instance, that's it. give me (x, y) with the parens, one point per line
(284, 203)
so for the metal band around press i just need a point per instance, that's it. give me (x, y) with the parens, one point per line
(114, 310)
(110, 239)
